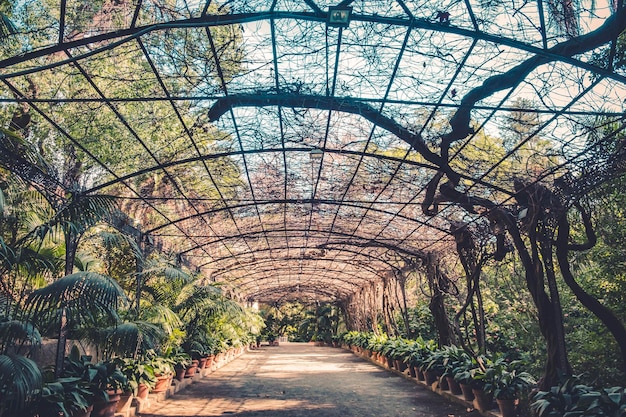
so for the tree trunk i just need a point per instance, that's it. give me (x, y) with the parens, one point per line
(437, 306)
(556, 360)
(605, 315)
(546, 249)
(71, 245)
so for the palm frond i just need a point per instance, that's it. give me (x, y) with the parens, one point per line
(14, 333)
(129, 338)
(84, 261)
(203, 300)
(84, 211)
(6, 255)
(7, 27)
(37, 262)
(119, 240)
(177, 274)
(158, 291)
(169, 272)
(88, 299)
(20, 384)
(76, 215)
(162, 316)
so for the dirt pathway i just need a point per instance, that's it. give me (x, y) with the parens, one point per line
(295, 380)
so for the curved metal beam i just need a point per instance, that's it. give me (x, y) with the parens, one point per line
(292, 201)
(224, 104)
(127, 35)
(279, 248)
(242, 286)
(267, 150)
(366, 263)
(365, 239)
(290, 290)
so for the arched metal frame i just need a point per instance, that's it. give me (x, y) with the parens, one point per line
(325, 136)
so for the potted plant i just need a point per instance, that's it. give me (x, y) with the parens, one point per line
(182, 361)
(107, 382)
(140, 375)
(198, 352)
(417, 354)
(463, 375)
(434, 366)
(163, 371)
(484, 379)
(455, 360)
(509, 385)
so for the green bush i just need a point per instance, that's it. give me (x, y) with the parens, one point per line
(573, 399)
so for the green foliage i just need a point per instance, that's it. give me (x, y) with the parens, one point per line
(89, 299)
(396, 348)
(421, 323)
(126, 339)
(301, 323)
(160, 364)
(573, 399)
(455, 359)
(137, 371)
(98, 377)
(65, 396)
(419, 352)
(20, 384)
(506, 380)
(600, 271)
(17, 336)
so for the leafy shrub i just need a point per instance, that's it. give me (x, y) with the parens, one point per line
(573, 399)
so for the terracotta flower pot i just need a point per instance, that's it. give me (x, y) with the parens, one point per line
(389, 362)
(466, 390)
(162, 384)
(142, 391)
(455, 388)
(507, 407)
(180, 373)
(484, 401)
(106, 408)
(202, 363)
(443, 384)
(430, 377)
(400, 366)
(412, 371)
(190, 371)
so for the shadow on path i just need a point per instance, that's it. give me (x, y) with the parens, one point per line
(295, 379)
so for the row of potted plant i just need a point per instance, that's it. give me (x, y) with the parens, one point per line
(450, 367)
(101, 389)
(486, 378)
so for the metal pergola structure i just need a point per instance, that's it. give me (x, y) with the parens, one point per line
(291, 148)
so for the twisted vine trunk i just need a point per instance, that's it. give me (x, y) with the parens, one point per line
(436, 305)
(550, 320)
(605, 315)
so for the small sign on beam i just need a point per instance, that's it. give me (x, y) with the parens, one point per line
(339, 16)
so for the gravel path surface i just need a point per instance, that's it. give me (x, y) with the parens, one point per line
(294, 380)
